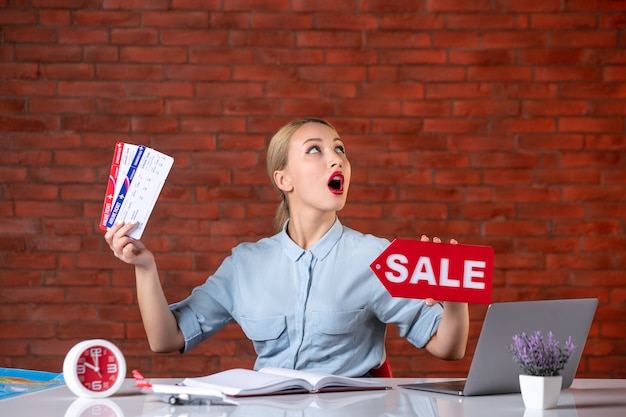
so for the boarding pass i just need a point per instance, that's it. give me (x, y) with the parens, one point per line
(136, 178)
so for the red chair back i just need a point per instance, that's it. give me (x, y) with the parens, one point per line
(383, 371)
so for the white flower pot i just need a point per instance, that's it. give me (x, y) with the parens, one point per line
(540, 392)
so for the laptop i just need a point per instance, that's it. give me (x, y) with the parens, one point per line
(492, 370)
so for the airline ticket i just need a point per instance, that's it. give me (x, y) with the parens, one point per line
(136, 179)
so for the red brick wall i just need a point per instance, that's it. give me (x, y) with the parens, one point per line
(497, 122)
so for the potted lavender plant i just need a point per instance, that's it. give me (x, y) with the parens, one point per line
(541, 361)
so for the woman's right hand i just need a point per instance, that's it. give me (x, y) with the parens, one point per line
(126, 248)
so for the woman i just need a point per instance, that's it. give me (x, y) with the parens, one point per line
(306, 296)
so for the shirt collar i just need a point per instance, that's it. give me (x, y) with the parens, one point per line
(320, 250)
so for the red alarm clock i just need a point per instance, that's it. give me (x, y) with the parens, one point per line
(94, 369)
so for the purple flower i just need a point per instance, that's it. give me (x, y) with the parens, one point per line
(540, 357)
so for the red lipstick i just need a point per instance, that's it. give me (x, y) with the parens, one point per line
(335, 183)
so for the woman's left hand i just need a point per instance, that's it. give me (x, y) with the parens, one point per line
(431, 301)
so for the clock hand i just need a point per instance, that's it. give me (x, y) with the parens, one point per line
(90, 366)
(94, 357)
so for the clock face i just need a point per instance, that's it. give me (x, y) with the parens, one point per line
(94, 368)
(97, 368)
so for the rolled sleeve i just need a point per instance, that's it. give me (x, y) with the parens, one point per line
(426, 327)
(188, 324)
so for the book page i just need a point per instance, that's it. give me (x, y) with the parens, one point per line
(241, 382)
(321, 380)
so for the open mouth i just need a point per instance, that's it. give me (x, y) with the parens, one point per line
(335, 183)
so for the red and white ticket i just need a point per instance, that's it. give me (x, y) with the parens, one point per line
(136, 184)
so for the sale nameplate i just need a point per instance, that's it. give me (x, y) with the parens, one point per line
(445, 272)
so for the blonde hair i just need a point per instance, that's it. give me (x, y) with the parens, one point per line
(277, 159)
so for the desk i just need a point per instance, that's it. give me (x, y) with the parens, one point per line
(586, 397)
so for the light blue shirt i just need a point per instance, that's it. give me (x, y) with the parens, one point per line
(321, 309)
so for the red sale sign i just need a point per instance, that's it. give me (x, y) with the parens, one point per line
(445, 272)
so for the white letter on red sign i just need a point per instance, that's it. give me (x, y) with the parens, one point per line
(403, 273)
(443, 275)
(423, 271)
(469, 273)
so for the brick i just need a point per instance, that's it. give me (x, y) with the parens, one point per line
(283, 39)
(143, 36)
(51, 53)
(18, 17)
(215, 56)
(29, 35)
(287, 56)
(595, 91)
(514, 40)
(615, 73)
(590, 193)
(67, 71)
(118, 71)
(527, 90)
(300, 21)
(555, 107)
(96, 123)
(452, 125)
(456, 6)
(524, 125)
(91, 88)
(78, 36)
(18, 71)
(251, 107)
(327, 39)
(612, 21)
(485, 108)
(29, 124)
(427, 108)
(597, 159)
(187, 4)
(101, 53)
(410, 21)
(32, 192)
(456, 40)
(367, 108)
(573, 176)
(556, 73)
(563, 21)
(431, 73)
(552, 56)
(46, 209)
(528, 6)
(346, 21)
(591, 124)
(397, 39)
(480, 22)
(586, 228)
(14, 106)
(526, 194)
(457, 90)
(583, 39)
(483, 57)
(606, 142)
(106, 18)
(54, 17)
(153, 54)
(60, 105)
(600, 5)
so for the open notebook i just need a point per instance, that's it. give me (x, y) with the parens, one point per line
(492, 370)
